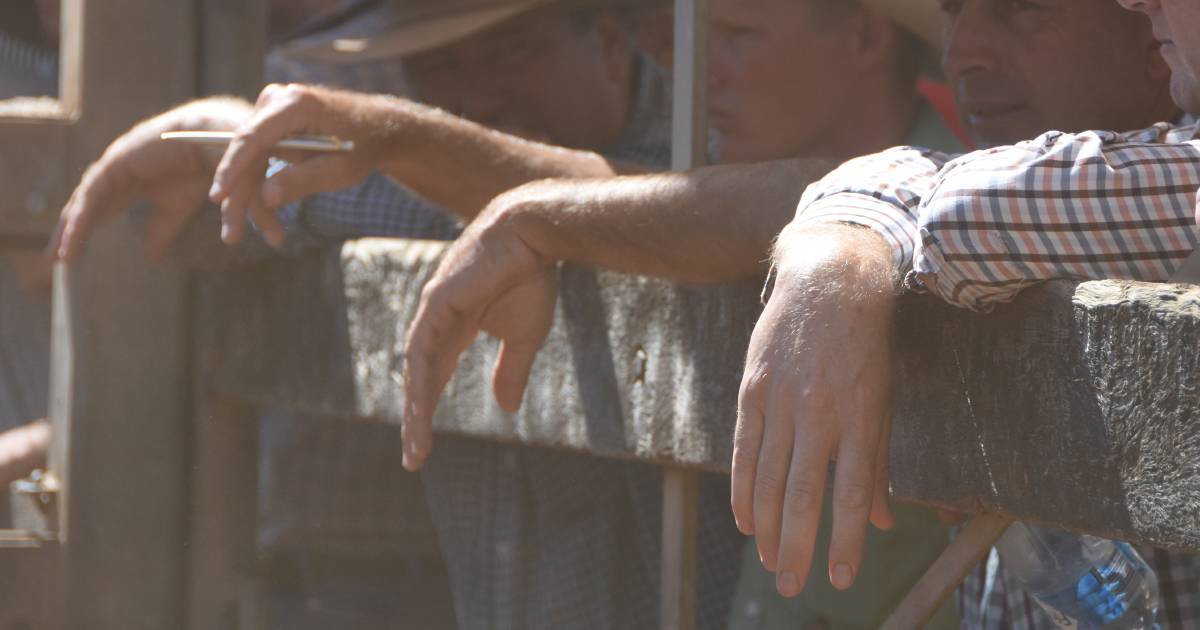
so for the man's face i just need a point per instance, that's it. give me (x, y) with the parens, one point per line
(542, 76)
(1177, 25)
(776, 78)
(1023, 67)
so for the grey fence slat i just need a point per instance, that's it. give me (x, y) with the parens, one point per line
(1088, 393)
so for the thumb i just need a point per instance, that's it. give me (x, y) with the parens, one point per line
(511, 374)
(299, 180)
(881, 511)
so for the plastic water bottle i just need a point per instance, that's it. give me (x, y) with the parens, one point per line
(1082, 581)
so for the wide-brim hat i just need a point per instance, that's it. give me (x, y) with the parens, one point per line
(373, 30)
(368, 30)
(923, 17)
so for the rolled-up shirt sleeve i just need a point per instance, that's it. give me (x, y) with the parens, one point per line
(881, 192)
(1092, 205)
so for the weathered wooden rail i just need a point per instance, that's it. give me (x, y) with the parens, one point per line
(1077, 406)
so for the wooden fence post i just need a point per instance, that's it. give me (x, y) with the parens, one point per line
(689, 149)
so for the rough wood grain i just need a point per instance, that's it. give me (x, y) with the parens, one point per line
(120, 369)
(1075, 406)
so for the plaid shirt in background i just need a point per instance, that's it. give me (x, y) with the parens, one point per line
(532, 538)
(984, 226)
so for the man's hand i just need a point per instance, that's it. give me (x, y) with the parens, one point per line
(23, 450)
(240, 185)
(817, 387)
(139, 166)
(490, 280)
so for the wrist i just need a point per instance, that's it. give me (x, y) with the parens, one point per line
(397, 131)
(842, 263)
(523, 215)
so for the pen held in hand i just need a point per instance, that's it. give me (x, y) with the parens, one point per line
(320, 144)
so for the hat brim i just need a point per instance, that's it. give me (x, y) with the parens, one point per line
(923, 17)
(377, 34)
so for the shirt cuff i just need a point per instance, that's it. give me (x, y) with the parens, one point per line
(897, 227)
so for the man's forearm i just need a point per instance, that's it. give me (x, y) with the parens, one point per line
(710, 225)
(461, 166)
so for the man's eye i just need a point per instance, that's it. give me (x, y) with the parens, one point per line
(951, 7)
(1025, 5)
(735, 37)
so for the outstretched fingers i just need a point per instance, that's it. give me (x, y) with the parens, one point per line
(771, 480)
(102, 193)
(853, 496)
(803, 500)
(301, 179)
(511, 374)
(437, 337)
(747, 441)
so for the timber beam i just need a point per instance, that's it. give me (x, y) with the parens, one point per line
(1076, 406)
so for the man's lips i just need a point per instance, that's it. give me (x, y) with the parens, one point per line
(990, 111)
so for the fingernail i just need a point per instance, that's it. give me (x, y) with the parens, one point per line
(214, 193)
(842, 576)
(225, 232)
(787, 584)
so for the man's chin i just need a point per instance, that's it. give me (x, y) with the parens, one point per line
(1185, 91)
(1004, 129)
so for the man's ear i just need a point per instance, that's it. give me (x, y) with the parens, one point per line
(874, 37)
(616, 45)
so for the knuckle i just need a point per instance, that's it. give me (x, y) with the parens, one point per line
(754, 387)
(432, 292)
(852, 496)
(744, 456)
(297, 95)
(802, 497)
(270, 91)
(816, 399)
(768, 484)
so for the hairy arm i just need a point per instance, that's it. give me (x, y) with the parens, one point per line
(139, 166)
(462, 166)
(453, 162)
(710, 225)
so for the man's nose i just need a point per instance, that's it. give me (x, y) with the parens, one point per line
(718, 64)
(972, 40)
(1144, 6)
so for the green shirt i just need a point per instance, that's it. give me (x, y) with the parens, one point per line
(892, 561)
